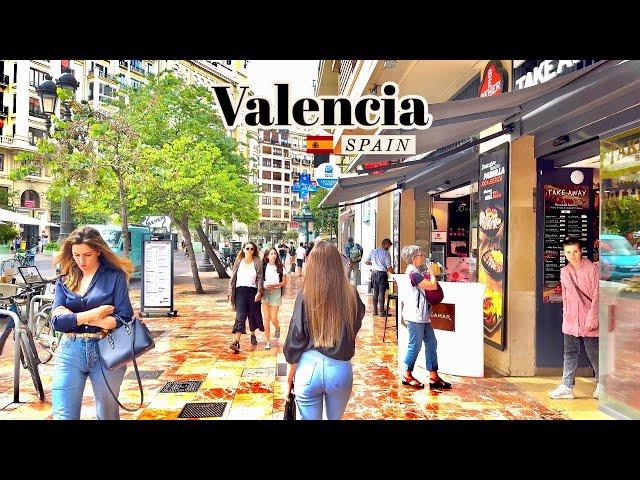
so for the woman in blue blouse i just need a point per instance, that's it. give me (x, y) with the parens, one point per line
(91, 298)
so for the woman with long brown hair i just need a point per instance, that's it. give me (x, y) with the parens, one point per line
(245, 292)
(91, 298)
(275, 280)
(322, 336)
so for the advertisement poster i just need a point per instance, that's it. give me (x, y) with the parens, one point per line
(492, 241)
(157, 281)
(566, 214)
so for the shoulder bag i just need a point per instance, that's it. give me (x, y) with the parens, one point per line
(121, 346)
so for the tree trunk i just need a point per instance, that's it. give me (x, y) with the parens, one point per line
(124, 216)
(222, 272)
(184, 228)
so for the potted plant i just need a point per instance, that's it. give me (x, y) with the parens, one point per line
(50, 249)
(7, 233)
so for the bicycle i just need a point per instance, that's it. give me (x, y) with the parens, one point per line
(10, 308)
(20, 259)
(42, 330)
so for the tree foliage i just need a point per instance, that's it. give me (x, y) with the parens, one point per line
(324, 220)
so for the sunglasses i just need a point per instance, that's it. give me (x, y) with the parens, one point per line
(247, 249)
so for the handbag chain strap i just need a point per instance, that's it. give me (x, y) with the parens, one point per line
(135, 366)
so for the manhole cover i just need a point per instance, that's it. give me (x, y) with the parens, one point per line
(156, 333)
(181, 387)
(203, 410)
(144, 374)
(282, 370)
(258, 372)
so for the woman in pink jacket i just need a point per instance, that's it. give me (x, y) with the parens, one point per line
(580, 280)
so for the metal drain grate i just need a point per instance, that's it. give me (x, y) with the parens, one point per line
(181, 387)
(203, 410)
(282, 369)
(156, 333)
(144, 374)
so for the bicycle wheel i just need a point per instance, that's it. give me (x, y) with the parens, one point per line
(43, 334)
(30, 361)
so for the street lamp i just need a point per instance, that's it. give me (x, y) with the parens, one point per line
(48, 98)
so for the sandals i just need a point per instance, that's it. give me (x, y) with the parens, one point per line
(412, 382)
(439, 384)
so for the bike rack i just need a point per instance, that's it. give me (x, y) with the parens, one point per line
(47, 297)
(16, 366)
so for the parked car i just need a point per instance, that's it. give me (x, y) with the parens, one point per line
(618, 258)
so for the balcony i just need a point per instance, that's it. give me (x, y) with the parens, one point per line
(346, 69)
(4, 111)
(4, 80)
(106, 99)
(138, 70)
(36, 112)
(123, 63)
(101, 74)
(7, 141)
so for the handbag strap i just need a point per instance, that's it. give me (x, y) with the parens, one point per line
(580, 292)
(135, 366)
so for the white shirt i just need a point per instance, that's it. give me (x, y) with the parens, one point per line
(246, 276)
(271, 275)
(415, 307)
(380, 259)
(300, 253)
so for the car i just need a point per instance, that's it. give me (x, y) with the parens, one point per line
(618, 258)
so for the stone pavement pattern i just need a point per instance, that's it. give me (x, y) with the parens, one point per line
(194, 347)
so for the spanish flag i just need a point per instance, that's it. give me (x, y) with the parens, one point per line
(319, 144)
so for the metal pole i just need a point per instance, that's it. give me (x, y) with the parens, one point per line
(206, 265)
(66, 223)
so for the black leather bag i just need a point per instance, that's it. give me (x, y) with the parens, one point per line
(290, 408)
(123, 345)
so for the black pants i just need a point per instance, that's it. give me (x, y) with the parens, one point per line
(247, 307)
(380, 284)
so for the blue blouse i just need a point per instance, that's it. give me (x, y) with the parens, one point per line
(108, 287)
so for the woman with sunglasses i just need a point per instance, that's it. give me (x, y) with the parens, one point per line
(275, 279)
(245, 292)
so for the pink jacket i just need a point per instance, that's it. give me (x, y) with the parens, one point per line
(578, 319)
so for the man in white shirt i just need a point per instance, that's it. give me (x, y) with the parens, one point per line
(380, 261)
(301, 253)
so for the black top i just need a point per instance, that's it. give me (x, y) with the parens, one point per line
(299, 338)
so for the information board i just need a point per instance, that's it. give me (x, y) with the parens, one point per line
(157, 275)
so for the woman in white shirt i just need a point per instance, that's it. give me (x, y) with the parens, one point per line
(245, 292)
(274, 281)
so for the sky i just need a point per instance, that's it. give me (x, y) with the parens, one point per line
(262, 74)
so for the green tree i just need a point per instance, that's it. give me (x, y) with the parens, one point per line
(291, 235)
(325, 219)
(621, 215)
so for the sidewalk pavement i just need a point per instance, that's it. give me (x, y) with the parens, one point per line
(251, 384)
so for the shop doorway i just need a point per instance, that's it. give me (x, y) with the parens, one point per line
(567, 204)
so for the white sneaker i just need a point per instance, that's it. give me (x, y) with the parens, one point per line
(267, 346)
(562, 392)
(596, 392)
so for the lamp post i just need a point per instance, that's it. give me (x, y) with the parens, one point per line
(48, 98)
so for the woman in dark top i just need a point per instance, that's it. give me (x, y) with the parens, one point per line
(322, 336)
(91, 298)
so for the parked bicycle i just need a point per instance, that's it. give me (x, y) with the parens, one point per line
(39, 323)
(10, 309)
(20, 259)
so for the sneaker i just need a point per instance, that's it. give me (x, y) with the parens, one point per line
(254, 340)
(277, 333)
(235, 346)
(596, 392)
(267, 346)
(562, 391)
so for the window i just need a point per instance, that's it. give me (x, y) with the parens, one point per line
(4, 196)
(36, 77)
(277, 189)
(287, 164)
(286, 214)
(266, 174)
(34, 135)
(277, 163)
(1, 162)
(34, 107)
(266, 149)
(266, 200)
(287, 189)
(276, 213)
(15, 73)
(266, 162)
(277, 151)
(107, 90)
(277, 176)
(287, 202)
(135, 83)
(266, 212)
(287, 177)
(277, 201)
(91, 91)
(30, 199)
(266, 187)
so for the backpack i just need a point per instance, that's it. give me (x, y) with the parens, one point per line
(355, 254)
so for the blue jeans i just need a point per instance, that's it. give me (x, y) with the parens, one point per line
(418, 333)
(319, 378)
(571, 353)
(77, 359)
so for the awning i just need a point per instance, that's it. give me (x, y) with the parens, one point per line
(454, 121)
(14, 217)
(358, 186)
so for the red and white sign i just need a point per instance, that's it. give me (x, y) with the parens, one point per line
(439, 237)
(493, 80)
(29, 204)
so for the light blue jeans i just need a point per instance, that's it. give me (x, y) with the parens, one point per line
(419, 333)
(319, 378)
(77, 359)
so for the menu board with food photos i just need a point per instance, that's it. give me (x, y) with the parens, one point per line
(566, 214)
(492, 241)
